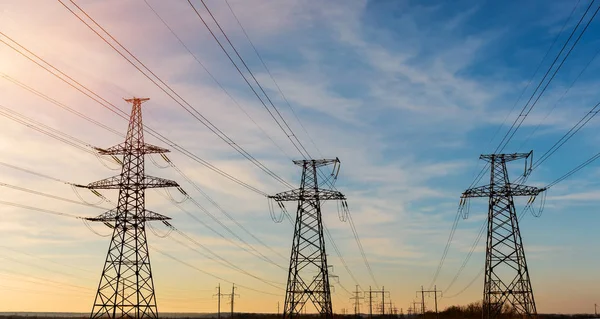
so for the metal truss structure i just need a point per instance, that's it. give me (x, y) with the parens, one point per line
(126, 288)
(308, 277)
(506, 285)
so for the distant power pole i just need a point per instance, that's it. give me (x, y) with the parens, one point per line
(428, 292)
(278, 307)
(308, 259)
(356, 299)
(596, 310)
(233, 294)
(382, 292)
(219, 294)
(415, 307)
(370, 303)
(506, 279)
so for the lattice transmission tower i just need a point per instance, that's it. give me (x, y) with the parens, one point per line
(126, 288)
(308, 277)
(506, 285)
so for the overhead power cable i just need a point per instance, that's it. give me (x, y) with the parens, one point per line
(163, 86)
(89, 148)
(273, 79)
(215, 79)
(290, 135)
(114, 109)
(527, 107)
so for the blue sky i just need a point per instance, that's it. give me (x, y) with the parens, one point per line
(406, 94)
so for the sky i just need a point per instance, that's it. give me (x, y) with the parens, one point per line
(407, 94)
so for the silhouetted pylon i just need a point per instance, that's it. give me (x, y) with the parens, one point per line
(126, 288)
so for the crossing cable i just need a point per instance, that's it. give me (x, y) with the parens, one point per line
(89, 148)
(289, 135)
(273, 78)
(215, 79)
(114, 109)
(171, 93)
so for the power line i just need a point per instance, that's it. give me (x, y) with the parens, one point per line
(166, 158)
(171, 93)
(289, 135)
(114, 109)
(273, 79)
(214, 78)
(87, 149)
(527, 108)
(301, 149)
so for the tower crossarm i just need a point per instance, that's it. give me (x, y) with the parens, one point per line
(115, 182)
(316, 162)
(111, 216)
(308, 194)
(505, 157)
(122, 149)
(502, 190)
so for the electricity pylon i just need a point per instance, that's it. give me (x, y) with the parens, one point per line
(126, 288)
(308, 277)
(506, 280)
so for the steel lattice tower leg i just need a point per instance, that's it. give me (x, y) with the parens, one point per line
(126, 288)
(308, 277)
(507, 286)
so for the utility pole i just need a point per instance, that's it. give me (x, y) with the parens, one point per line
(428, 292)
(596, 310)
(382, 292)
(370, 303)
(233, 294)
(308, 255)
(219, 294)
(126, 288)
(278, 308)
(356, 299)
(506, 279)
(415, 307)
